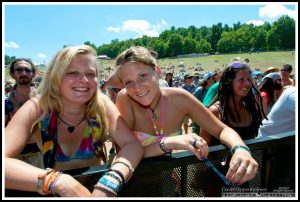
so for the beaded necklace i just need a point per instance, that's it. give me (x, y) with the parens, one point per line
(162, 118)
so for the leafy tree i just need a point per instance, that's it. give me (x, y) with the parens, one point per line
(9, 59)
(204, 46)
(174, 45)
(189, 45)
(284, 29)
(91, 44)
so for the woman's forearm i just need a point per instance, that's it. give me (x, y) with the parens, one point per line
(20, 175)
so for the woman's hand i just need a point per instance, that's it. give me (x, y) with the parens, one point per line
(242, 167)
(67, 186)
(191, 142)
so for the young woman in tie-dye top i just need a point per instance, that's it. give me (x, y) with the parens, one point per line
(70, 119)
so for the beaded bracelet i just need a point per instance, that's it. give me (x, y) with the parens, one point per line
(240, 147)
(110, 184)
(116, 178)
(41, 180)
(51, 187)
(119, 173)
(124, 163)
(131, 170)
(101, 187)
(163, 146)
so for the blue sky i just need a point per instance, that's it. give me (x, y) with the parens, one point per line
(39, 30)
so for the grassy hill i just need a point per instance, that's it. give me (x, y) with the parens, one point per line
(261, 60)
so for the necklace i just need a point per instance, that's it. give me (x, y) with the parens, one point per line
(71, 128)
(153, 113)
(162, 118)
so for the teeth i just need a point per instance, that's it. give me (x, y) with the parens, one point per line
(140, 95)
(81, 89)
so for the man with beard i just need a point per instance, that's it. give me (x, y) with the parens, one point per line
(22, 71)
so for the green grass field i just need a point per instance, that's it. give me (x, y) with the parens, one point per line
(261, 60)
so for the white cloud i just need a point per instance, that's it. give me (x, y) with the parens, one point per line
(113, 29)
(41, 55)
(141, 27)
(275, 11)
(11, 44)
(255, 22)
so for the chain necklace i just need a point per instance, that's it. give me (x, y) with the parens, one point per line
(153, 118)
(70, 128)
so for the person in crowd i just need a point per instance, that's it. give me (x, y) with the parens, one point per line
(190, 87)
(236, 103)
(270, 70)
(155, 115)
(286, 71)
(196, 79)
(8, 87)
(70, 118)
(200, 92)
(23, 71)
(270, 90)
(282, 115)
(169, 78)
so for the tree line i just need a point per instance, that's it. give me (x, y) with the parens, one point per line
(279, 35)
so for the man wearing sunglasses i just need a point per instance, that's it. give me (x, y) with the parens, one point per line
(22, 71)
(286, 71)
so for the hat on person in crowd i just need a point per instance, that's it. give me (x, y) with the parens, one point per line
(209, 74)
(196, 74)
(271, 69)
(169, 73)
(187, 76)
(235, 59)
(273, 75)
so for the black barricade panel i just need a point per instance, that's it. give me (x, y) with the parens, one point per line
(183, 175)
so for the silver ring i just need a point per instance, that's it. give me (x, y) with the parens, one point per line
(234, 163)
(194, 143)
(244, 167)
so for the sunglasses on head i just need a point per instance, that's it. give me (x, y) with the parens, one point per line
(236, 65)
(26, 70)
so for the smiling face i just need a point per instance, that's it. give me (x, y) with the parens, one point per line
(241, 84)
(80, 81)
(140, 81)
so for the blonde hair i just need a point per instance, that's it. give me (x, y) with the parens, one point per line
(49, 93)
(137, 54)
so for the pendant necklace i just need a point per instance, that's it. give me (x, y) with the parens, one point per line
(153, 117)
(71, 128)
(153, 113)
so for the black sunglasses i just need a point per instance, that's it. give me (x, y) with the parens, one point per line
(26, 70)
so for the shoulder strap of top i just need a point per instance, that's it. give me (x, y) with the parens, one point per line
(98, 143)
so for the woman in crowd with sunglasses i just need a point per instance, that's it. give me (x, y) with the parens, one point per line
(155, 115)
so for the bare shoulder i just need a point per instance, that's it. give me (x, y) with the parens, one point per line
(175, 92)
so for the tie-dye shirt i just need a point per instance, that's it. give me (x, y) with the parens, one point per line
(92, 141)
(147, 139)
(85, 150)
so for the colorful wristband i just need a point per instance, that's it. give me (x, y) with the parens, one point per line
(240, 147)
